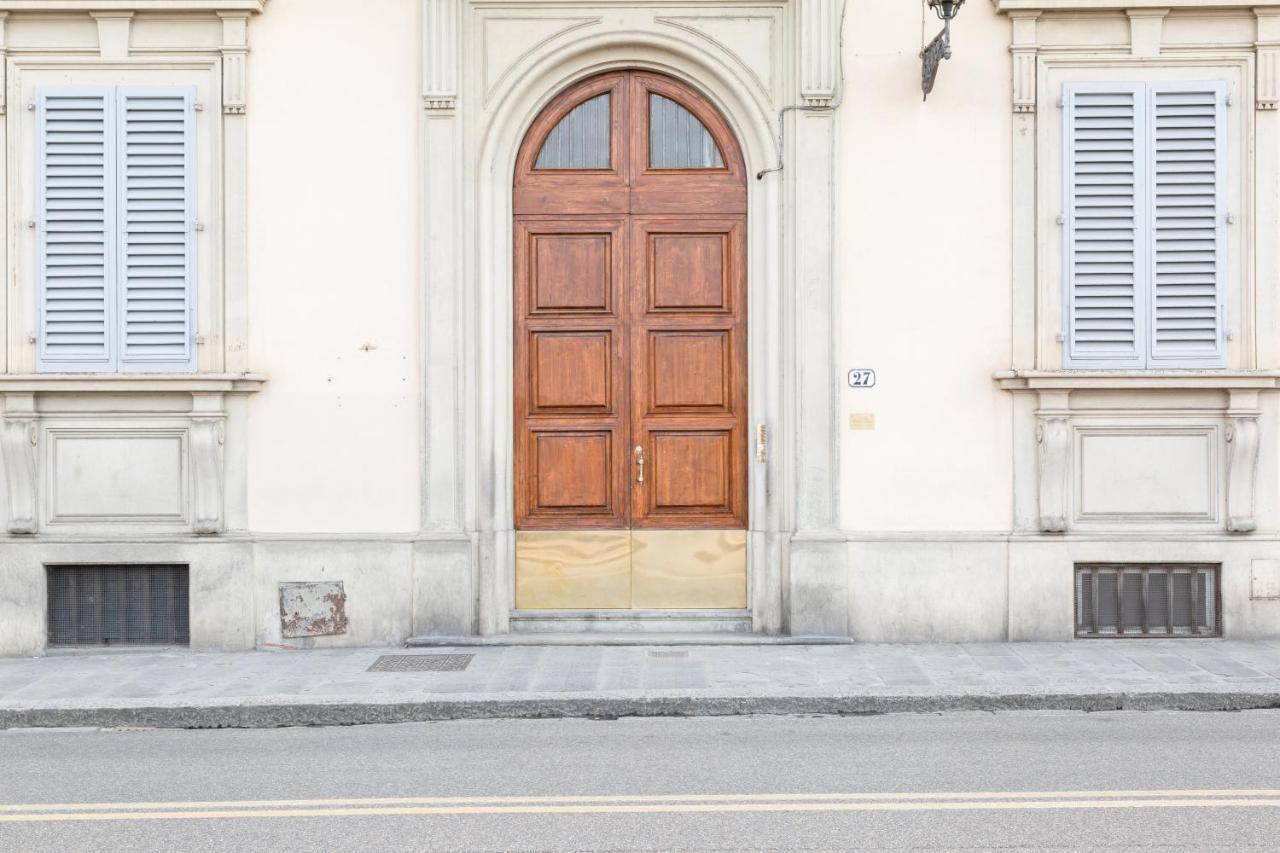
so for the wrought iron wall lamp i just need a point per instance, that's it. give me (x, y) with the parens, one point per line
(940, 48)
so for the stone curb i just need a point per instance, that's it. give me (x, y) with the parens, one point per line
(261, 716)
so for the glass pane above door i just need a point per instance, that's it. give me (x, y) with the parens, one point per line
(580, 140)
(677, 140)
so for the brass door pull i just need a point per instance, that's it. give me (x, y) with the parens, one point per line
(640, 464)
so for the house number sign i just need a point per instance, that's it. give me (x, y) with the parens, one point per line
(861, 377)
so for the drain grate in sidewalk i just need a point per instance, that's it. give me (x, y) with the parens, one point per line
(421, 663)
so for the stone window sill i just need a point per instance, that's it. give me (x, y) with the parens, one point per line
(47, 6)
(1122, 5)
(1035, 380)
(149, 383)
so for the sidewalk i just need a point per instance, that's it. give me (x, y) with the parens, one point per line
(335, 687)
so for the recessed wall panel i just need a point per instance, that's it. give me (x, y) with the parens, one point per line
(100, 476)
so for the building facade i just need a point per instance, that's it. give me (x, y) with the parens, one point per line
(342, 324)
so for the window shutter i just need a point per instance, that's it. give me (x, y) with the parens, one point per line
(1187, 221)
(1105, 237)
(156, 212)
(75, 218)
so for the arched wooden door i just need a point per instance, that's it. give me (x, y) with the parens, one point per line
(630, 351)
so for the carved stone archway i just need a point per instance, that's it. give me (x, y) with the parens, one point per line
(778, 94)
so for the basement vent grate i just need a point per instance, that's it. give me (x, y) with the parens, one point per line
(1147, 600)
(421, 663)
(118, 606)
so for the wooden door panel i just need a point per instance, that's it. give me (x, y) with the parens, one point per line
(571, 371)
(571, 475)
(690, 370)
(571, 397)
(692, 472)
(569, 266)
(688, 374)
(688, 272)
(572, 470)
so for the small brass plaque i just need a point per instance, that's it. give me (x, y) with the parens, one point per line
(862, 420)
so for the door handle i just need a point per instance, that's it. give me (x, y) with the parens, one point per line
(639, 464)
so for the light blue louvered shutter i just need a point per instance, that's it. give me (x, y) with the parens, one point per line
(1187, 220)
(1104, 246)
(156, 215)
(75, 222)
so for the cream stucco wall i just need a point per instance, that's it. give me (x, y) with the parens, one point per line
(333, 258)
(922, 272)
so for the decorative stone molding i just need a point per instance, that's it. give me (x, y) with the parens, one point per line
(819, 51)
(1023, 48)
(19, 439)
(1146, 27)
(142, 411)
(1242, 461)
(1053, 435)
(4, 61)
(235, 58)
(1242, 467)
(1268, 65)
(439, 54)
(113, 33)
(207, 435)
(1073, 410)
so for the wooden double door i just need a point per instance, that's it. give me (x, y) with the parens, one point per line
(630, 347)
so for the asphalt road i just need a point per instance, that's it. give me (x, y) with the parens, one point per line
(1072, 781)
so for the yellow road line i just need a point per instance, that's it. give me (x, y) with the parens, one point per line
(646, 798)
(650, 808)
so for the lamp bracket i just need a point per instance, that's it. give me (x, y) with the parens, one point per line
(931, 57)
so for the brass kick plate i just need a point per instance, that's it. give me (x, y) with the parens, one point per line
(689, 569)
(641, 569)
(573, 570)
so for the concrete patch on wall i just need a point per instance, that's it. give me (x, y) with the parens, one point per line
(315, 609)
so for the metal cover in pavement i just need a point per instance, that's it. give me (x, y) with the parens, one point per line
(421, 663)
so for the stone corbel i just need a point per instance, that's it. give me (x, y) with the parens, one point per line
(819, 51)
(439, 54)
(1053, 434)
(1024, 47)
(1242, 461)
(235, 59)
(1268, 64)
(206, 437)
(19, 438)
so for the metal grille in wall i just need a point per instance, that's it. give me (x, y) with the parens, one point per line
(118, 605)
(1147, 600)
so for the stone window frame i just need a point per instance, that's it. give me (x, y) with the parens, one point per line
(220, 74)
(1044, 55)
(207, 405)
